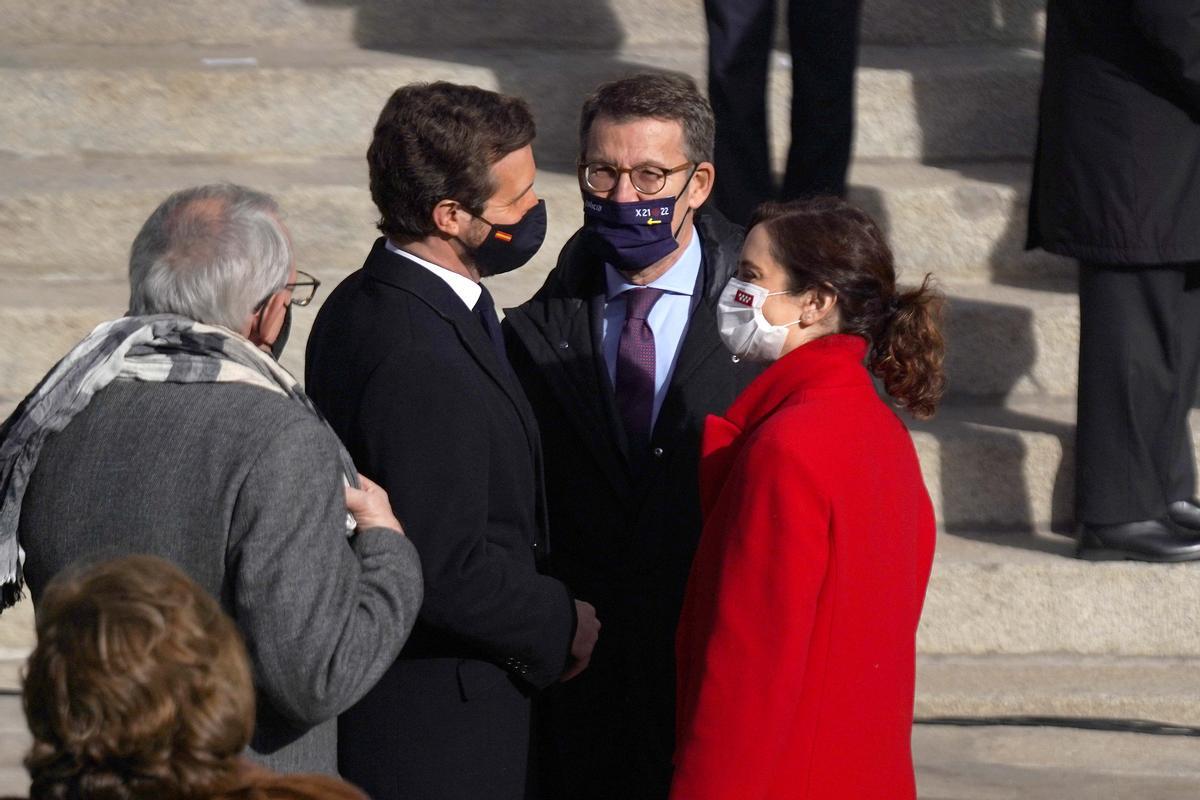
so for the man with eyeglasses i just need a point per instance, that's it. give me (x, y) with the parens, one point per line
(620, 356)
(173, 431)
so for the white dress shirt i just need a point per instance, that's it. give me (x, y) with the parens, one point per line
(467, 289)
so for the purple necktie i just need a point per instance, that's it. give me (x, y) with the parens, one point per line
(635, 366)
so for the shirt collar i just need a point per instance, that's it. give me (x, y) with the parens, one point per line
(679, 279)
(466, 289)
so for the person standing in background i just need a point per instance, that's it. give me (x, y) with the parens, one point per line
(823, 37)
(1117, 185)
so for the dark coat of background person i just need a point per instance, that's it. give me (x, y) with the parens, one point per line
(1119, 132)
(243, 490)
(625, 530)
(406, 375)
(1117, 185)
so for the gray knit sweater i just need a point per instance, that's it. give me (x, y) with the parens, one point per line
(243, 489)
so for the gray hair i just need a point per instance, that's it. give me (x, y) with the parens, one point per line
(211, 254)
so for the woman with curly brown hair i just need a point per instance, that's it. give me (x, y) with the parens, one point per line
(139, 689)
(796, 647)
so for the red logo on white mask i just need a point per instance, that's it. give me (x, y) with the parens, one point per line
(744, 297)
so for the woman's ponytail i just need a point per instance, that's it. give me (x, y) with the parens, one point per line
(909, 352)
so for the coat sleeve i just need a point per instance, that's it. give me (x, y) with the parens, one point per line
(323, 616)
(1173, 28)
(430, 445)
(748, 618)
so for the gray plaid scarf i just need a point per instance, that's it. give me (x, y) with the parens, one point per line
(162, 349)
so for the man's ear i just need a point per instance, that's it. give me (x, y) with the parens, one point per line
(450, 218)
(264, 325)
(702, 184)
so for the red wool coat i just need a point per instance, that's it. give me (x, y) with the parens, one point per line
(796, 647)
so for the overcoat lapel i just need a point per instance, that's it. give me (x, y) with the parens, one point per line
(396, 270)
(566, 338)
(700, 343)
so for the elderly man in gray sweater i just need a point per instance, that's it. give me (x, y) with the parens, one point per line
(173, 431)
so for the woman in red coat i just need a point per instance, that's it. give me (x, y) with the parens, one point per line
(796, 647)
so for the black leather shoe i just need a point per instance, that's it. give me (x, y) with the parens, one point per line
(1185, 513)
(1149, 540)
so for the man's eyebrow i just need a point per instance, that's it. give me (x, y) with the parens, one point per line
(524, 192)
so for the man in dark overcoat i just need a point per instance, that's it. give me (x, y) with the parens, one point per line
(407, 361)
(1117, 185)
(620, 356)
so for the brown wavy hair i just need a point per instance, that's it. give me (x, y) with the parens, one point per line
(824, 243)
(138, 688)
(438, 141)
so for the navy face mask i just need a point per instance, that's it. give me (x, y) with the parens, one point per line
(632, 236)
(284, 331)
(510, 246)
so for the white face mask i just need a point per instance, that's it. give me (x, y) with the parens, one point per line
(744, 329)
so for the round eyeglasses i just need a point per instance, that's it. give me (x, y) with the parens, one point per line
(303, 289)
(646, 178)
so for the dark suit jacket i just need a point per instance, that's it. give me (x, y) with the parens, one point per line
(409, 380)
(626, 527)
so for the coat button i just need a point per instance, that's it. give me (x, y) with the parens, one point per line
(535, 546)
(735, 359)
(564, 345)
(658, 452)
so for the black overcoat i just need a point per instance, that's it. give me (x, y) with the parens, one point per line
(625, 528)
(1117, 176)
(407, 377)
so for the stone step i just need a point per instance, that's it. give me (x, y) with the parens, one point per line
(577, 24)
(17, 637)
(930, 103)
(14, 744)
(993, 762)
(1016, 594)
(1023, 594)
(913, 22)
(964, 222)
(14, 735)
(961, 221)
(14, 782)
(989, 464)
(1010, 340)
(1052, 763)
(1002, 340)
(1055, 685)
(1009, 467)
(1015, 627)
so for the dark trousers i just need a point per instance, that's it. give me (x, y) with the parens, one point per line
(1139, 360)
(823, 38)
